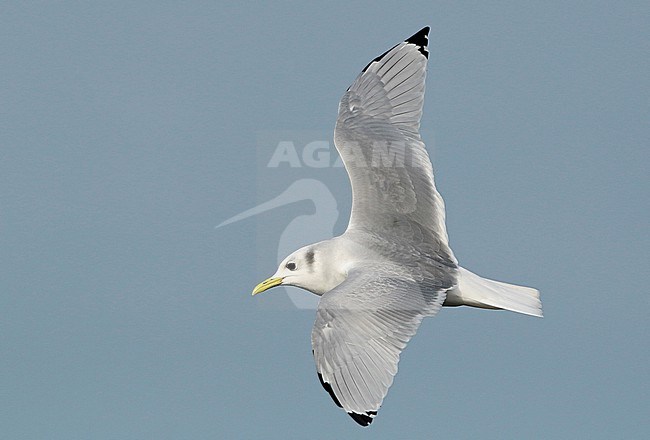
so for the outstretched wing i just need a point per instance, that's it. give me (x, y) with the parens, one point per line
(377, 136)
(361, 328)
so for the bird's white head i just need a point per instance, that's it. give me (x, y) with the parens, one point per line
(305, 268)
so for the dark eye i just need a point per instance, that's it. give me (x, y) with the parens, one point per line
(291, 266)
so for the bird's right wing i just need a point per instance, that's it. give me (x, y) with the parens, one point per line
(361, 328)
(377, 137)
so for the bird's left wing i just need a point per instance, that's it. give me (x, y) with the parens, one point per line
(361, 328)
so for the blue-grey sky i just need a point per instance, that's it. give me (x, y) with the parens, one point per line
(129, 130)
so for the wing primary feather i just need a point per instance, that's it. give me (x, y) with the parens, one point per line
(386, 68)
(404, 103)
(401, 92)
(421, 40)
(379, 58)
(361, 384)
(361, 419)
(329, 389)
(387, 81)
(342, 387)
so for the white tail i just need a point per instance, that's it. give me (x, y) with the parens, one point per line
(475, 291)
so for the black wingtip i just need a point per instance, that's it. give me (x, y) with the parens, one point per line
(363, 419)
(421, 40)
(329, 389)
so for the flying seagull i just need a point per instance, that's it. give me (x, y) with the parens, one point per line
(393, 265)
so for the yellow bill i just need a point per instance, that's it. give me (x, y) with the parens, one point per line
(267, 284)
